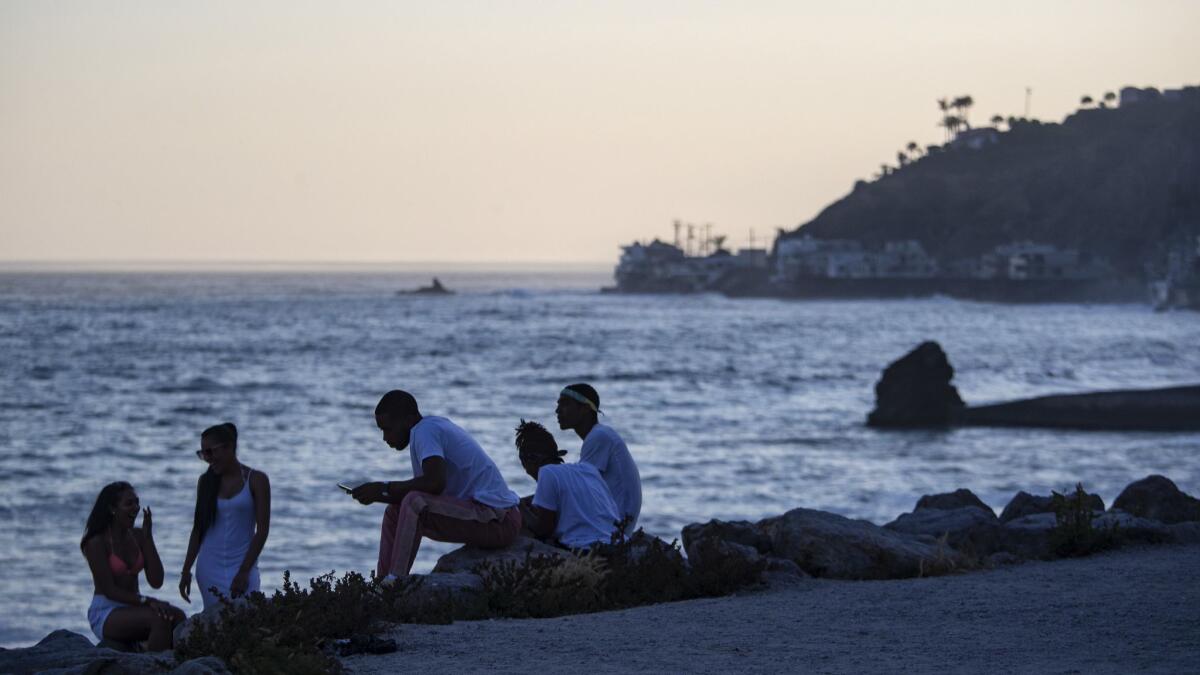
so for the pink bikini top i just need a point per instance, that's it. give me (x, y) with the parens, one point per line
(118, 566)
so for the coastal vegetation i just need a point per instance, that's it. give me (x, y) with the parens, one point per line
(302, 630)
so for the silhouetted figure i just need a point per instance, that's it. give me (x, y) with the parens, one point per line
(117, 552)
(578, 409)
(572, 505)
(456, 493)
(231, 522)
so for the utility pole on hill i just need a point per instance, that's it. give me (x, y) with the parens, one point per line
(1028, 96)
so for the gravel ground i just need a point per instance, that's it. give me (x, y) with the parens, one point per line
(1129, 611)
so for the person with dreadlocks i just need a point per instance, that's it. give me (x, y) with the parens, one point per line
(578, 409)
(571, 505)
(456, 493)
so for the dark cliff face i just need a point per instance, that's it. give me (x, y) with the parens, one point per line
(1120, 183)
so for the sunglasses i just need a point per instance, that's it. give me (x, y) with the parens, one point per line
(207, 452)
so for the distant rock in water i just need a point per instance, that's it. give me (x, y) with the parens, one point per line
(915, 391)
(435, 288)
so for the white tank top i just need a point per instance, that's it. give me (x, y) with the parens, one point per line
(228, 538)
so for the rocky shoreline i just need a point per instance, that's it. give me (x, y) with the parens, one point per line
(944, 534)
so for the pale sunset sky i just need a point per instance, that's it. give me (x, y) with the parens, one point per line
(506, 131)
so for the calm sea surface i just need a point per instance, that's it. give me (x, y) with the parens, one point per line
(733, 408)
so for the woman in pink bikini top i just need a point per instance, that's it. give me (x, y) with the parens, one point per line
(117, 552)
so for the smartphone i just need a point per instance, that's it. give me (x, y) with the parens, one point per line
(345, 487)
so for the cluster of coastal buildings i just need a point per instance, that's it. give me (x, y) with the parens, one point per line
(799, 265)
(659, 265)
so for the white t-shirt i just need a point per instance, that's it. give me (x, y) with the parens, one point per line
(586, 511)
(604, 449)
(470, 473)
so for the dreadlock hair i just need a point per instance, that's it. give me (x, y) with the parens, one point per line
(210, 481)
(536, 444)
(102, 513)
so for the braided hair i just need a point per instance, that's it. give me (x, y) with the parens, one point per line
(536, 444)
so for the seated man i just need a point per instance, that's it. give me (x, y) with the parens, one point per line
(578, 409)
(456, 493)
(572, 505)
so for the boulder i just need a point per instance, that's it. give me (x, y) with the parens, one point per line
(1129, 527)
(185, 627)
(65, 651)
(1158, 498)
(1024, 504)
(1028, 536)
(959, 526)
(723, 557)
(471, 558)
(828, 545)
(951, 500)
(452, 594)
(739, 532)
(915, 391)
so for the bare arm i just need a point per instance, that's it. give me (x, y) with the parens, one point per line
(154, 566)
(97, 558)
(260, 489)
(432, 481)
(193, 548)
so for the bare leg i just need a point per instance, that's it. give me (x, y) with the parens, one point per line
(134, 624)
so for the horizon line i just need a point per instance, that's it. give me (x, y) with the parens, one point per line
(193, 264)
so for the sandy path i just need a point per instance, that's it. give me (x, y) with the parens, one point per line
(1130, 611)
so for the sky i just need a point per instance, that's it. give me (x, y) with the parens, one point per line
(494, 131)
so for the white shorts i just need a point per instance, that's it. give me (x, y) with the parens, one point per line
(98, 613)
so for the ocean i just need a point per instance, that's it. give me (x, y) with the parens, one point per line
(733, 408)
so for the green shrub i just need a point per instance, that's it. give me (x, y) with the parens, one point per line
(1073, 534)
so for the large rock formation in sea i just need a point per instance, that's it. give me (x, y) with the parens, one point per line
(1117, 183)
(916, 391)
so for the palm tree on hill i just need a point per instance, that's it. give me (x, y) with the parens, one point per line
(997, 120)
(952, 123)
(1085, 101)
(913, 149)
(1110, 97)
(962, 105)
(944, 106)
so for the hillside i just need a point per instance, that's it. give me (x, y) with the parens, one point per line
(1119, 183)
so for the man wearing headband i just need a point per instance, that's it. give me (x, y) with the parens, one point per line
(578, 408)
(572, 505)
(456, 493)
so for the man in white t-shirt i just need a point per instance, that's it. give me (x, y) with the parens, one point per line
(572, 504)
(456, 493)
(578, 409)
